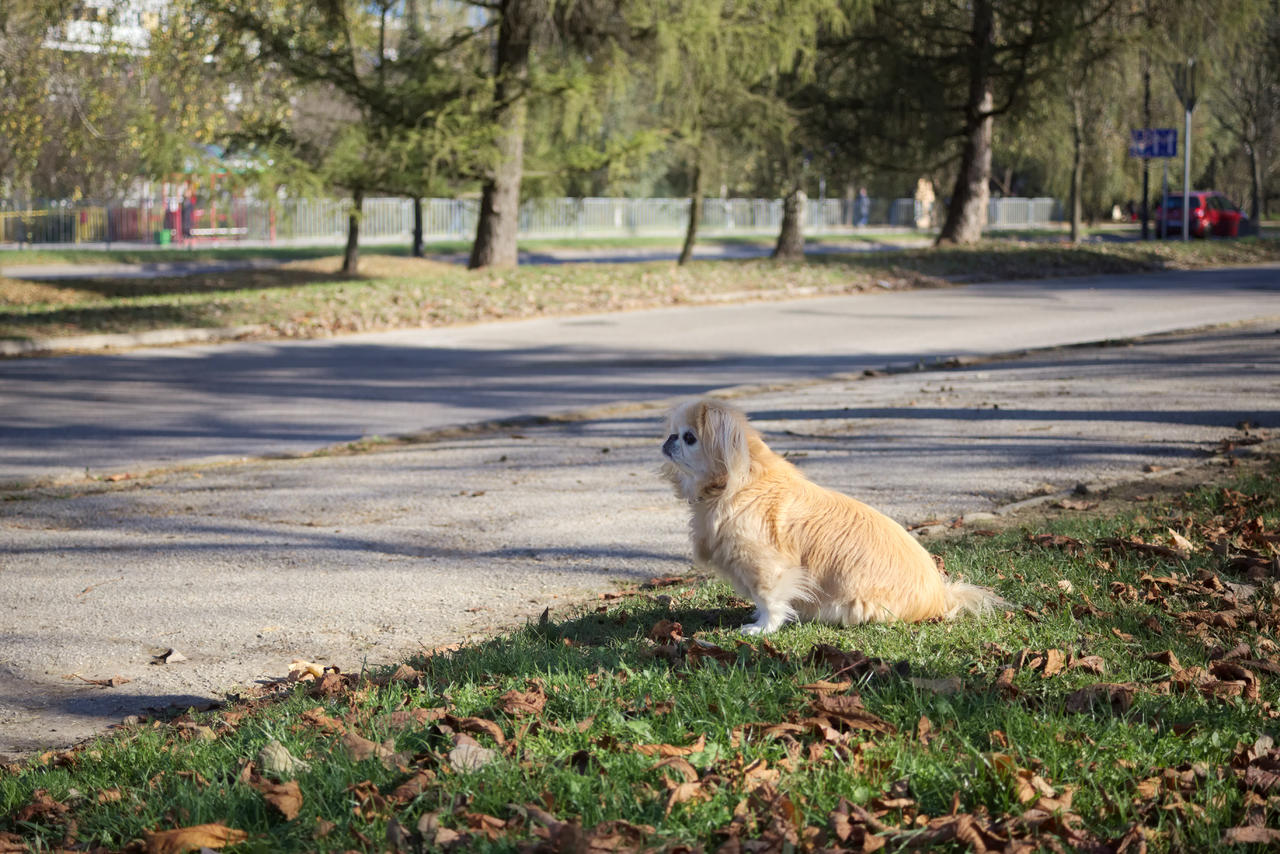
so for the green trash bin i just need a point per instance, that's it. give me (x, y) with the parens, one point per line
(164, 236)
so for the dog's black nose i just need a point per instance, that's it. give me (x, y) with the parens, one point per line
(671, 442)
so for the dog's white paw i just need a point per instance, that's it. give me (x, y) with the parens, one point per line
(758, 628)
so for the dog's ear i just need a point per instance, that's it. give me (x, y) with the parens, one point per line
(724, 432)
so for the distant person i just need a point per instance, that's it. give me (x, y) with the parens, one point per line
(862, 207)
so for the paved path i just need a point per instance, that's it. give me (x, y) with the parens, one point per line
(61, 417)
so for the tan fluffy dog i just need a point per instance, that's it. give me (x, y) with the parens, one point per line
(795, 549)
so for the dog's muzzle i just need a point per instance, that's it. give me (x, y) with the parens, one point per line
(669, 446)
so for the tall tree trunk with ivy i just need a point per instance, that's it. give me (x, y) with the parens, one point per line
(497, 229)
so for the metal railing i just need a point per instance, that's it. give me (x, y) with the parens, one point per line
(384, 220)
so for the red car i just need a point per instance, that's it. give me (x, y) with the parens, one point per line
(1212, 214)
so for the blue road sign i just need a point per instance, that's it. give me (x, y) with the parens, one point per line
(1153, 142)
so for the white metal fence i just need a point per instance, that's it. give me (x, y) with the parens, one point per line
(391, 219)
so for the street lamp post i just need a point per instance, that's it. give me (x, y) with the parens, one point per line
(1184, 83)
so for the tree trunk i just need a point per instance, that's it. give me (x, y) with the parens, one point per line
(1077, 163)
(1256, 203)
(790, 246)
(695, 214)
(417, 227)
(967, 212)
(499, 223)
(351, 257)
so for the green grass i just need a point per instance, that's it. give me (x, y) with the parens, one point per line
(233, 252)
(608, 689)
(308, 298)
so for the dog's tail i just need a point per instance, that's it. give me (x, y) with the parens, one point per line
(965, 598)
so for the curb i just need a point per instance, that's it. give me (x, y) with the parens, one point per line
(123, 341)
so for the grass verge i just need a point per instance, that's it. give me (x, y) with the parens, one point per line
(1127, 703)
(308, 298)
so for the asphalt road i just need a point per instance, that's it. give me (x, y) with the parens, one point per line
(65, 417)
(361, 559)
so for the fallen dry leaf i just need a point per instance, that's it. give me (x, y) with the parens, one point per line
(276, 759)
(667, 750)
(666, 631)
(529, 702)
(700, 649)
(683, 793)
(1117, 696)
(1251, 835)
(681, 766)
(192, 838)
(303, 671)
(468, 755)
(285, 797)
(945, 686)
(360, 748)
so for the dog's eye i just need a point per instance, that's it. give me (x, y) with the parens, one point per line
(689, 438)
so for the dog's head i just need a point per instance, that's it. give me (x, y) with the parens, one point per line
(706, 448)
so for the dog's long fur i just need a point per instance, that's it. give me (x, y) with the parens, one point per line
(797, 550)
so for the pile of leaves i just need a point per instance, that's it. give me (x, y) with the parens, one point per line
(1127, 704)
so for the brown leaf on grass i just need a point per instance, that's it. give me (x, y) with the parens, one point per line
(822, 686)
(403, 673)
(853, 663)
(1054, 662)
(468, 755)
(285, 797)
(369, 803)
(682, 793)
(847, 709)
(1251, 835)
(41, 806)
(1089, 663)
(1229, 673)
(414, 786)
(529, 702)
(1076, 504)
(667, 750)
(193, 838)
(360, 748)
(479, 726)
(331, 684)
(1166, 658)
(1133, 545)
(109, 796)
(276, 759)
(1004, 683)
(1057, 541)
(318, 719)
(401, 718)
(758, 774)
(924, 730)
(681, 766)
(12, 843)
(666, 631)
(1180, 542)
(700, 649)
(1117, 696)
(945, 687)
